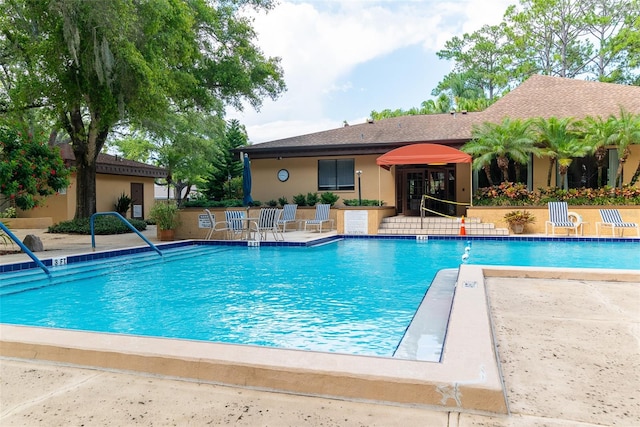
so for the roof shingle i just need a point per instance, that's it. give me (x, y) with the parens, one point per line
(538, 96)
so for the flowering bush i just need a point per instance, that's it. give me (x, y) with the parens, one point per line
(29, 168)
(505, 194)
(515, 194)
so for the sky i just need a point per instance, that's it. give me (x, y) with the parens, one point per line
(344, 59)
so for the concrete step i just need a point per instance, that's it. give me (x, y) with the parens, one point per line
(401, 225)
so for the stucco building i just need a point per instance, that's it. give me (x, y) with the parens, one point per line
(330, 160)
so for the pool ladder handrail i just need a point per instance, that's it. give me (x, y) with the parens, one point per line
(127, 223)
(25, 249)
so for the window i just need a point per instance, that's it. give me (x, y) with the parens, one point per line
(336, 174)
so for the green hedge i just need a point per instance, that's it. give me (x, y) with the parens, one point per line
(102, 225)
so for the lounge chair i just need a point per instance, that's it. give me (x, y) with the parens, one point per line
(268, 222)
(288, 216)
(322, 216)
(213, 225)
(235, 223)
(559, 218)
(611, 218)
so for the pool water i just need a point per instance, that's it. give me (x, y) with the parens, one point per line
(354, 296)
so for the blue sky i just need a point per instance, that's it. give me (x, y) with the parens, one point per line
(343, 59)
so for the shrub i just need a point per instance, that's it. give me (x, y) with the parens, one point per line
(102, 225)
(329, 198)
(165, 214)
(363, 202)
(283, 201)
(510, 194)
(300, 199)
(9, 212)
(123, 204)
(272, 203)
(312, 199)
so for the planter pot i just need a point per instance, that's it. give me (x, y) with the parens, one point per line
(517, 228)
(166, 235)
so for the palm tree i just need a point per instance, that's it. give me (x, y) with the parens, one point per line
(597, 134)
(626, 131)
(509, 140)
(562, 142)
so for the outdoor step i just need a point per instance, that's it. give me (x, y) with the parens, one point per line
(402, 225)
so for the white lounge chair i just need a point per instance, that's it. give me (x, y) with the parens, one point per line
(559, 218)
(213, 225)
(322, 216)
(268, 222)
(288, 216)
(612, 218)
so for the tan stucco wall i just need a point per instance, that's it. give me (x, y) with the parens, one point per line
(377, 183)
(189, 227)
(110, 187)
(62, 207)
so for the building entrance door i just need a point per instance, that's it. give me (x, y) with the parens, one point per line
(413, 183)
(137, 200)
(441, 189)
(437, 182)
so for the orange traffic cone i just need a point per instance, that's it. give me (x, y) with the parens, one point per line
(463, 231)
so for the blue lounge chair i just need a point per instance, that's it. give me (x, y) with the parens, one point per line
(322, 216)
(288, 216)
(559, 217)
(611, 218)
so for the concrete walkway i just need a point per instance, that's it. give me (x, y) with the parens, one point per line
(569, 352)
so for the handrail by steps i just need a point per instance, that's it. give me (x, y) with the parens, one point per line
(25, 249)
(127, 223)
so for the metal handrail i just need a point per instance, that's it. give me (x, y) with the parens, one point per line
(25, 249)
(127, 223)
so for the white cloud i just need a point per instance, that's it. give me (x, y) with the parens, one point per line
(321, 42)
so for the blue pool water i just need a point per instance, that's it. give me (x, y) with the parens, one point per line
(354, 296)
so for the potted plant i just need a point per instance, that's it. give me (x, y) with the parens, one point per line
(518, 219)
(167, 219)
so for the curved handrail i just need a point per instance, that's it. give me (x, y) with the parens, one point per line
(127, 223)
(25, 249)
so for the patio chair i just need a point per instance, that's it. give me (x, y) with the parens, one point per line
(322, 216)
(288, 215)
(213, 225)
(611, 218)
(235, 223)
(559, 217)
(268, 222)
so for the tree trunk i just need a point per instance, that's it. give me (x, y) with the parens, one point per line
(621, 161)
(487, 172)
(635, 176)
(86, 147)
(600, 155)
(85, 188)
(552, 162)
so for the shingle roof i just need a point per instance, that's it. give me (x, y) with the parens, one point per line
(114, 165)
(545, 96)
(538, 96)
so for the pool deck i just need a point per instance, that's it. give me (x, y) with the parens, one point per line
(567, 344)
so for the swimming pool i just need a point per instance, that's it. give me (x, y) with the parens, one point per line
(355, 296)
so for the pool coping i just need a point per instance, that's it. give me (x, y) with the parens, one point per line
(463, 380)
(468, 378)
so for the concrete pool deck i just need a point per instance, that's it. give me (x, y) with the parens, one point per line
(567, 345)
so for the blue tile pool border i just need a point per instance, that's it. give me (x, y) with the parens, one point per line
(26, 265)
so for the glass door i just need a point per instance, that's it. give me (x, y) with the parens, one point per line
(413, 191)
